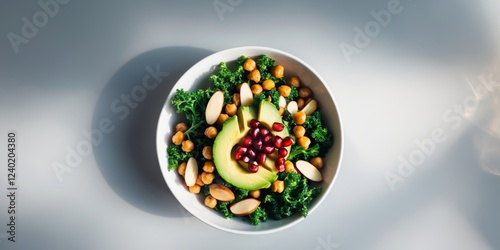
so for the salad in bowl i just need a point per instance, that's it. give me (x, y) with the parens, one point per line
(252, 143)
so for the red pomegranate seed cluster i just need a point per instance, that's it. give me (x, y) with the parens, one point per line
(259, 143)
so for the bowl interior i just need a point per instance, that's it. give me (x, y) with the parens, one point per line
(197, 77)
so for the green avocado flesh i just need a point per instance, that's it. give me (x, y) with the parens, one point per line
(234, 129)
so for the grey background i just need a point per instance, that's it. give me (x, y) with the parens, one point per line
(395, 92)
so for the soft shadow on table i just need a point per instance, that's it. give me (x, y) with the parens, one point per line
(126, 155)
(456, 178)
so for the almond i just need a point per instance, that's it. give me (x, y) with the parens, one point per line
(214, 107)
(309, 171)
(221, 192)
(282, 102)
(246, 96)
(245, 206)
(191, 173)
(292, 107)
(310, 107)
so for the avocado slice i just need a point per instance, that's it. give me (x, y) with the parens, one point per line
(268, 114)
(232, 132)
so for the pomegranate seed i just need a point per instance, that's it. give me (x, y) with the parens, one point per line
(261, 158)
(245, 159)
(240, 151)
(287, 141)
(267, 139)
(268, 148)
(282, 152)
(247, 141)
(264, 132)
(281, 168)
(278, 126)
(257, 144)
(254, 132)
(254, 123)
(254, 167)
(251, 153)
(277, 141)
(280, 161)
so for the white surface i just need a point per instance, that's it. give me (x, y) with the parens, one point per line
(393, 93)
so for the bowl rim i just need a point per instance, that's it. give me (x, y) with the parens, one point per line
(339, 137)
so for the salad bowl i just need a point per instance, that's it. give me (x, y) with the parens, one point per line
(197, 77)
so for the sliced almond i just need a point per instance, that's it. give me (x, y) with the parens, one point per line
(292, 107)
(246, 96)
(282, 102)
(191, 172)
(214, 107)
(309, 171)
(221, 192)
(310, 107)
(244, 207)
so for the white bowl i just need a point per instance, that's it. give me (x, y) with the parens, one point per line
(197, 77)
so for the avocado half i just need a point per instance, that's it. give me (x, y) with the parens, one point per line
(233, 131)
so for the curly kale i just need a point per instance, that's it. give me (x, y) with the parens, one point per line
(296, 197)
(227, 80)
(297, 152)
(223, 208)
(176, 156)
(293, 94)
(318, 131)
(258, 216)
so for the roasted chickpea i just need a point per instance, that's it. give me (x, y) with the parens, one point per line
(278, 71)
(317, 162)
(256, 89)
(178, 138)
(231, 109)
(269, 99)
(249, 64)
(299, 131)
(278, 186)
(207, 152)
(281, 111)
(289, 167)
(254, 193)
(195, 189)
(181, 169)
(294, 81)
(300, 103)
(254, 75)
(268, 84)
(181, 126)
(187, 146)
(284, 90)
(208, 167)
(222, 118)
(299, 117)
(236, 99)
(210, 201)
(305, 92)
(199, 181)
(207, 178)
(304, 142)
(211, 132)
